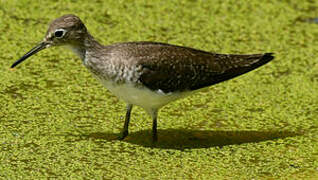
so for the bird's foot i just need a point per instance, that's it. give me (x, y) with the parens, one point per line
(154, 138)
(123, 135)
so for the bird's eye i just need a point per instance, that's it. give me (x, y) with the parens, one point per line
(59, 33)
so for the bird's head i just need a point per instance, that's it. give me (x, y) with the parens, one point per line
(65, 30)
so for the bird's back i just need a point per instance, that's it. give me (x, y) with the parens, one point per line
(171, 68)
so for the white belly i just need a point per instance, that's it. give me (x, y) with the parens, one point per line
(142, 97)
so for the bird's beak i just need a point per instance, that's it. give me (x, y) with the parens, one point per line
(34, 50)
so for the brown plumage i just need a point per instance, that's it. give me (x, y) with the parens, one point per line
(174, 68)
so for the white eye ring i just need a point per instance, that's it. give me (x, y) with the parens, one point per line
(59, 33)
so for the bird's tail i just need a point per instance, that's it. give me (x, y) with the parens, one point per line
(236, 65)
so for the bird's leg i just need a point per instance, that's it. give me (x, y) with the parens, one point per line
(124, 132)
(154, 114)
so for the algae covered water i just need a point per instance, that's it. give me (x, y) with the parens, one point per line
(57, 121)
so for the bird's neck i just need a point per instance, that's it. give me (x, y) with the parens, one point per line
(88, 44)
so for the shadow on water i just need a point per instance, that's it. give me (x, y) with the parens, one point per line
(190, 139)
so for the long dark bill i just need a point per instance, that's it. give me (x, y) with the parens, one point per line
(34, 50)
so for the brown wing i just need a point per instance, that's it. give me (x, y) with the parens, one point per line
(174, 68)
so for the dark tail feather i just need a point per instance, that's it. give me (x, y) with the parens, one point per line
(241, 64)
(251, 62)
(267, 57)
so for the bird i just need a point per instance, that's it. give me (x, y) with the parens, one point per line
(144, 73)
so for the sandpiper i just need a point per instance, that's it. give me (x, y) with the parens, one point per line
(146, 74)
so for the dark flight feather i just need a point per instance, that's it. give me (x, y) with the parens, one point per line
(173, 68)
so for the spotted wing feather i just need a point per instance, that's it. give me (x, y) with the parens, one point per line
(173, 68)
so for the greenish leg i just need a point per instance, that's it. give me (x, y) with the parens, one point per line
(124, 132)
